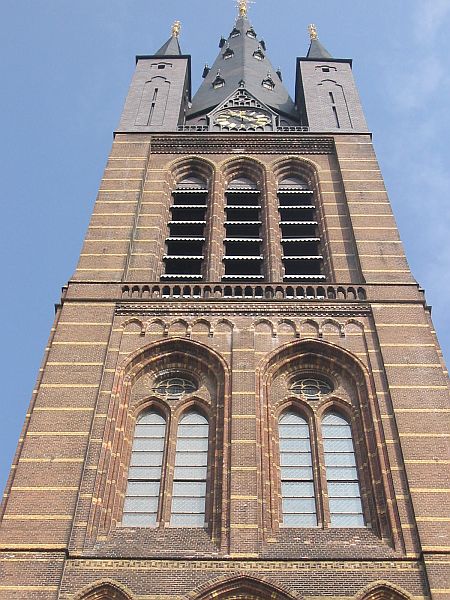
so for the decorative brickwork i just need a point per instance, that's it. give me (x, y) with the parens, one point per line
(131, 339)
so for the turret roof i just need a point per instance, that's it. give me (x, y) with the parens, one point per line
(317, 50)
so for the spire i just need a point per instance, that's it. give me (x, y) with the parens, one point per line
(242, 63)
(316, 50)
(172, 46)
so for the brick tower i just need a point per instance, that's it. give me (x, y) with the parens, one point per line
(243, 395)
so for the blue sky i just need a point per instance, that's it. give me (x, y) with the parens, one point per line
(65, 67)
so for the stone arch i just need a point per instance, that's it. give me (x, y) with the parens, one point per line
(304, 168)
(226, 323)
(191, 165)
(309, 328)
(354, 324)
(383, 590)
(134, 323)
(330, 325)
(178, 327)
(338, 364)
(104, 590)
(244, 166)
(157, 326)
(243, 586)
(271, 327)
(167, 353)
(290, 326)
(202, 325)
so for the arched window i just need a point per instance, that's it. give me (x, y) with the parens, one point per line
(297, 483)
(191, 466)
(301, 456)
(144, 476)
(344, 494)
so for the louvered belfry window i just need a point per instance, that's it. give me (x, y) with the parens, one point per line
(144, 475)
(191, 466)
(344, 494)
(243, 257)
(297, 482)
(185, 245)
(300, 240)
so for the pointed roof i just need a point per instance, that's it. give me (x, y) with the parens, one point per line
(316, 50)
(172, 46)
(242, 62)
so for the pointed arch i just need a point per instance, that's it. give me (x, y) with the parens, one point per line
(350, 378)
(383, 590)
(244, 166)
(294, 166)
(195, 166)
(142, 365)
(104, 590)
(247, 586)
(134, 321)
(271, 326)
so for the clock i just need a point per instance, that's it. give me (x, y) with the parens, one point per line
(238, 119)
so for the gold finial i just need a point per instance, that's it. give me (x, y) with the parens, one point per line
(243, 7)
(313, 32)
(176, 28)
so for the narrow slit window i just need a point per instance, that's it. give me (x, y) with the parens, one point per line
(153, 106)
(344, 493)
(334, 109)
(297, 482)
(191, 466)
(144, 476)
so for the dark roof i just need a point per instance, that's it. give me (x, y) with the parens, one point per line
(170, 48)
(247, 66)
(317, 50)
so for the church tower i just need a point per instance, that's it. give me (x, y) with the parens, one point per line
(243, 395)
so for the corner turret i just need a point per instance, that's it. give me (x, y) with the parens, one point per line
(160, 89)
(326, 93)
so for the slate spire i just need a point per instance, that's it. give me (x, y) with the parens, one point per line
(242, 63)
(316, 49)
(172, 46)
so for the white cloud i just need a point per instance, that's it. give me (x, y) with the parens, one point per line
(429, 17)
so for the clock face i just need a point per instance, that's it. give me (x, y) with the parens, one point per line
(240, 119)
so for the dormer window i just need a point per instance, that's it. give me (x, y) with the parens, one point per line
(228, 54)
(235, 33)
(251, 33)
(259, 54)
(268, 83)
(218, 82)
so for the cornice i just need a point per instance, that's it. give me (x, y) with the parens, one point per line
(240, 144)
